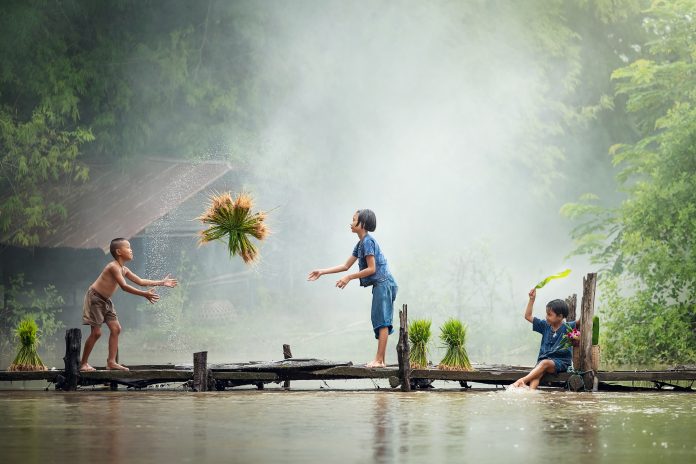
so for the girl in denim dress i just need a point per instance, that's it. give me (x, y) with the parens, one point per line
(374, 272)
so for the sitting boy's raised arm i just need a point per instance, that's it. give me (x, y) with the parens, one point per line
(530, 305)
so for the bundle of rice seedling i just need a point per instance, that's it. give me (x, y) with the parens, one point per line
(419, 336)
(233, 218)
(27, 358)
(453, 334)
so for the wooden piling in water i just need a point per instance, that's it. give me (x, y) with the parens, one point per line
(287, 354)
(403, 351)
(589, 286)
(200, 371)
(73, 343)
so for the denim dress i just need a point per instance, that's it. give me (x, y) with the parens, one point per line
(384, 288)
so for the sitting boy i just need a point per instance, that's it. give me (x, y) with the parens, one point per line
(552, 358)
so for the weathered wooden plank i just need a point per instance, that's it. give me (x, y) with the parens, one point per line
(479, 375)
(627, 376)
(159, 375)
(20, 376)
(250, 376)
(281, 366)
(358, 372)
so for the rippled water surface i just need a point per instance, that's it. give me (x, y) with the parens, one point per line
(346, 426)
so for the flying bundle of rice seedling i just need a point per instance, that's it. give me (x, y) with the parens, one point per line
(453, 334)
(27, 358)
(419, 336)
(233, 218)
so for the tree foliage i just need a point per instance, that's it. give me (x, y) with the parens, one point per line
(646, 244)
(115, 80)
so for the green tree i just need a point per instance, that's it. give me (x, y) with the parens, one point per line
(117, 80)
(646, 244)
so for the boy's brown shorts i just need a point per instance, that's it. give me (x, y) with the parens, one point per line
(97, 309)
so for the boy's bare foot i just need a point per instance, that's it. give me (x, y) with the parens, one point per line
(375, 364)
(86, 368)
(116, 367)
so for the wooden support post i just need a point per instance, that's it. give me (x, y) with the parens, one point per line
(200, 371)
(403, 351)
(113, 386)
(73, 341)
(589, 285)
(572, 302)
(287, 354)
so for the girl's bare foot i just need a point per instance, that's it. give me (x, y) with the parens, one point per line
(86, 368)
(116, 366)
(375, 364)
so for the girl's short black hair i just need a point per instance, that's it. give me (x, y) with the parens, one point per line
(367, 219)
(559, 307)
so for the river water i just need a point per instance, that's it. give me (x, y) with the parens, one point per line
(346, 426)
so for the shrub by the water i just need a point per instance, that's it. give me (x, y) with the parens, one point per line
(419, 336)
(235, 220)
(453, 335)
(27, 358)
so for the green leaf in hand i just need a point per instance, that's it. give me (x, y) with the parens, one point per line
(560, 275)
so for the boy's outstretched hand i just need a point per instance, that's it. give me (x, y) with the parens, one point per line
(532, 294)
(170, 282)
(314, 275)
(152, 296)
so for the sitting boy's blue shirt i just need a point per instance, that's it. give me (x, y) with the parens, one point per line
(368, 247)
(550, 347)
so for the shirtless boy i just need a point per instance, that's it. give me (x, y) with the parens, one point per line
(98, 307)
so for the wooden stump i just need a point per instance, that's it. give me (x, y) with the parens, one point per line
(73, 340)
(589, 285)
(403, 351)
(572, 302)
(200, 371)
(287, 354)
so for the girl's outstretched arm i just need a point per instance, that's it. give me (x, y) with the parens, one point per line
(368, 271)
(315, 274)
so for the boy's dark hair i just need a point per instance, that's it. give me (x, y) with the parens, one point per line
(115, 245)
(367, 219)
(559, 307)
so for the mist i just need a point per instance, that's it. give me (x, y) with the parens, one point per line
(439, 117)
(425, 119)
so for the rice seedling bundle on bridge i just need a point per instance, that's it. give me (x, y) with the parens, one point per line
(419, 336)
(27, 358)
(453, 335)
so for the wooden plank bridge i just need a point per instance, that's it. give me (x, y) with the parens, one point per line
(200, 376)
(223, 376)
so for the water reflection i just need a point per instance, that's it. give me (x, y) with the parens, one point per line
(345, 426)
